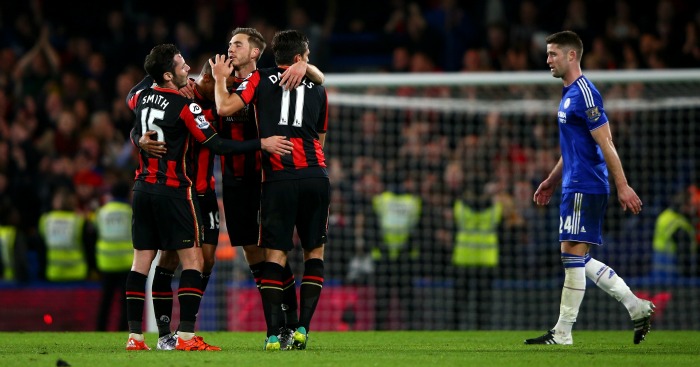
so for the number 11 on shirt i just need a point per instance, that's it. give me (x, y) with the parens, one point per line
(298, 108)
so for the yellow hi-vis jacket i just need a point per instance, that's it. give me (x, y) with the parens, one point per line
(7, 251)
(477, 238)
(65, 255)
(398, 216)
(665, 248)
(114, 251)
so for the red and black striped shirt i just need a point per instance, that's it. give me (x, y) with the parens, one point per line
(202, 156)
(240, 126)
(299, 114)
(176, 120)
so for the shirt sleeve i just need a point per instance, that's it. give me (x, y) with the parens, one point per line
(204, 133)
(135, 136)
(194, 118)
(247, 90)
(591, 105)
(133, 95)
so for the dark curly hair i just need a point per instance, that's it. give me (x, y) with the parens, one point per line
(160, 61)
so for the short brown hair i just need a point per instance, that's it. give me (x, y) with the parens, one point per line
(567, 39)
(255, 38)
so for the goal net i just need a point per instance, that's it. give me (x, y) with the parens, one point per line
(403, 149)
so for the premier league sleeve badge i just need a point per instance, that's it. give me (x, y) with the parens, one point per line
(593, 114)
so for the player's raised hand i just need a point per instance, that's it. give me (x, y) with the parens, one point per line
(152, 147)
(221, 67)
(276, 145)
(628, 199)
(544, 192)
(291, 78)
(188, 90)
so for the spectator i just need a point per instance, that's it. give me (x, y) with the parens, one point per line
(109, 140)
(409, 27)
(65, 137)
(691, 47)
(619, 27)
(64, 232)
(456, 27)
(630, 58)
(114, 253)
(576, 20)
(318, 34)
(675, 245)
(35, 68)
(367, 184)
(599, 57)
(527, 30)
(669, 31)
(395, 251)
(497, 44)
(12, 240)
(187, 40)
(400, 60)
(474, 60)
(475, 257)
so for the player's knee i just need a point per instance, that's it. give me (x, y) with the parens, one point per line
(191, 258)
(169, 260)
(316, 253)
(276, 256)
(254, 254)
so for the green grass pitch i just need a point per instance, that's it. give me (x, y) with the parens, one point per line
(409, 348)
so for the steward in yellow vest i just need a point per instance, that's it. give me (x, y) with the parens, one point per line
(398, 216)
(476, 241)
(114, 251)
(675, 247)
(114, 254)
(8, 234)
(395, 254)
(14, 265)
(475, 257)
(62, 231)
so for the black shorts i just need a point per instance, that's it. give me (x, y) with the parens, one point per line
(209, 212)
(241, 209)
(302, 203)
(164, 223)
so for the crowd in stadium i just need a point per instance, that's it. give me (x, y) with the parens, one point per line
(64, 122)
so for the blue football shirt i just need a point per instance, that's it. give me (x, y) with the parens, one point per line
(580, 112)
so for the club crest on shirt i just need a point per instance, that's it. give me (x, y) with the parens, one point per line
(593, 113)
(567, 102)
(202, 122)
(195, 109)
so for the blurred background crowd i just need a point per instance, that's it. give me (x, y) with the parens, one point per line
(66, 67)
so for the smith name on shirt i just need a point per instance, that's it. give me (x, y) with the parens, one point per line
(155, 99)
